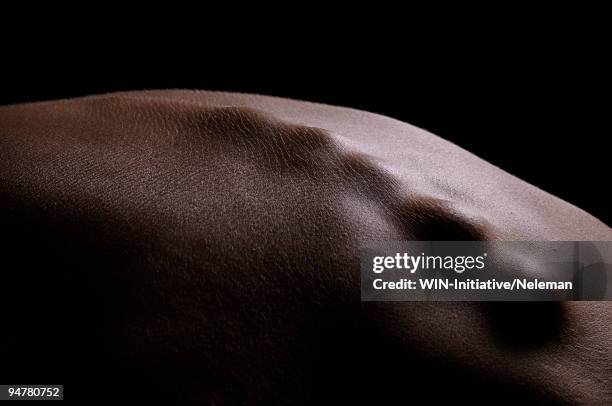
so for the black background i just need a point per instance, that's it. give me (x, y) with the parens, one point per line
(534, 108)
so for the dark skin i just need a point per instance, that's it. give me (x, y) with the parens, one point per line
(204, 246)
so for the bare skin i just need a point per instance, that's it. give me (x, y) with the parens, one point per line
(212, 240)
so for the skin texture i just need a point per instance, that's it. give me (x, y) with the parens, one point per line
(204, 246)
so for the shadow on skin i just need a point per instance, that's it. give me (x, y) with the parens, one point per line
(358, 361)
(523, 326)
